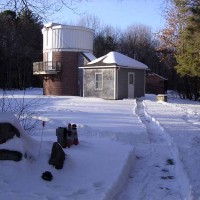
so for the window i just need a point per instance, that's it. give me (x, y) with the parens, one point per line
(99, 81)
(131, 79)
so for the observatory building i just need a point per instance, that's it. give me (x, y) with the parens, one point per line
(65, 48)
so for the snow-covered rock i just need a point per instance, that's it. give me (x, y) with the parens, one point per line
(18, 140)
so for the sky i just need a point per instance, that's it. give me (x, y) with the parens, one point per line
(117, 13)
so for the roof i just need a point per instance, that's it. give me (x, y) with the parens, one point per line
(89, 56)
(59, 26)
(116, 59)
(157, 75)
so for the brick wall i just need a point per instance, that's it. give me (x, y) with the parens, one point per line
(66, 82)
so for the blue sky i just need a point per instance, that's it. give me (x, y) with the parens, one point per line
(117, 13)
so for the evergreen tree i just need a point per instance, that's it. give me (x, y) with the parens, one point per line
(180, 39)
(188, 51)
(20, 46)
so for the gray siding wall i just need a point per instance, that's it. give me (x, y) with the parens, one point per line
(123, 82)
(108, 83)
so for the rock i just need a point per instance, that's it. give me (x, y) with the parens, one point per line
(57, 156)
(6, 154)
(7, 131)
(47, 176)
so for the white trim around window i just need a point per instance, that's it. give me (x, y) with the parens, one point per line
(98, 81)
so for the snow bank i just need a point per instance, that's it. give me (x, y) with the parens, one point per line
(91, 171)
(97, 168)
(111, 135)
(25, 143)
(121, 179)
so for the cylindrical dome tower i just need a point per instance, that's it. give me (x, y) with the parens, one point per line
(62, 47)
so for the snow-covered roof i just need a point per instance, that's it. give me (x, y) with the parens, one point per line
(89, 56)
(50, 24)
(116, 59)
(63, 26)
(154, 74)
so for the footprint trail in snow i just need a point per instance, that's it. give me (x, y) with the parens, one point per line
(157, 167)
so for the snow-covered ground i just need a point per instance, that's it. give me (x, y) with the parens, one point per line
(129, 149)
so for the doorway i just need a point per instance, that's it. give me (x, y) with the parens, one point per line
(49, 65)
(131, 85)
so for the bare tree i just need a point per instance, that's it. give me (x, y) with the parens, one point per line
(135, 40)
(90, 21)
(106, 37)
(175, 22)
(24, 109)
(44, 8)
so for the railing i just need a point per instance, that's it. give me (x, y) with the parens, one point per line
(46, 67)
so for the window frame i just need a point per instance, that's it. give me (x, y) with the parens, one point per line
(97, 81)
(131, 81)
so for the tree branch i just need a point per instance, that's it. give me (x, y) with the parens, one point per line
(44, 8)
